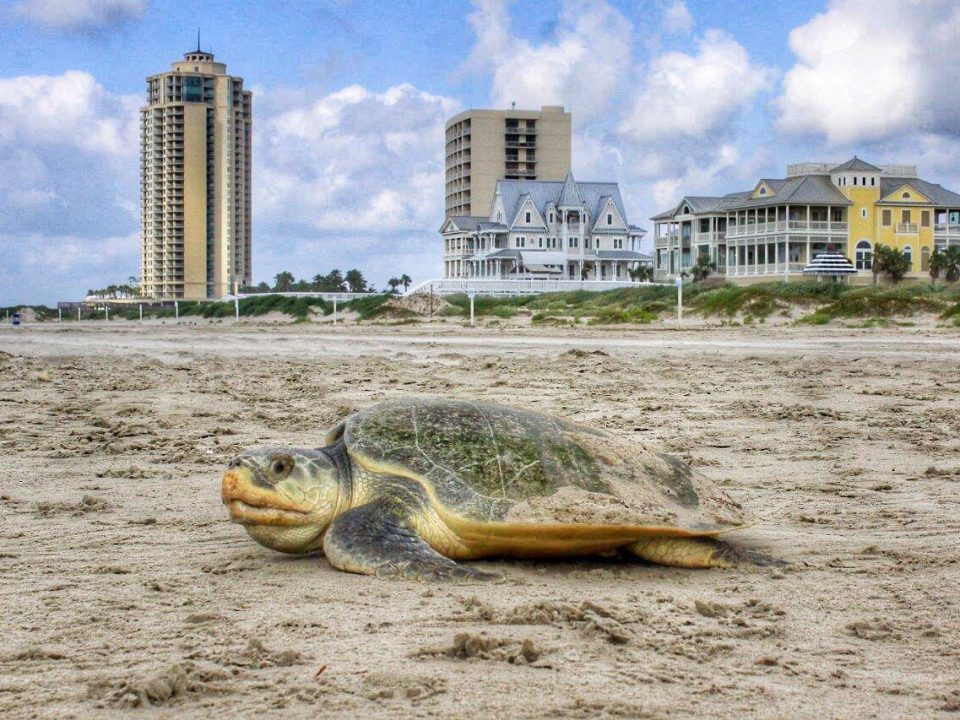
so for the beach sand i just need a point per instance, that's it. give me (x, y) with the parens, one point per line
(124, 585)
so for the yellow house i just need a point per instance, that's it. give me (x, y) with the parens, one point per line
(780, 225)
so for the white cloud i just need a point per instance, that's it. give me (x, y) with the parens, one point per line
(68, 186)
(81, 15)
(581, 68)
(677, 18)
(873, 69)
(694, 95)
(71, 109)
(354, 178)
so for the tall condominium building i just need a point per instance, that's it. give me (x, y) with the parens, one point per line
(195, 151)
(483, 146)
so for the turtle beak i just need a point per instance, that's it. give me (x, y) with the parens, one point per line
(250, 504)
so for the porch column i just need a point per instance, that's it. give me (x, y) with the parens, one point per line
(786, 255)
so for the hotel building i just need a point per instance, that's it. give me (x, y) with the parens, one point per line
(195, 152)
(546, 230)
(484, 146)
(780, 225)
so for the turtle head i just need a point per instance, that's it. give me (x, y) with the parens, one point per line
(285, 498)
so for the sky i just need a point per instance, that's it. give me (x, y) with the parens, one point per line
(669, 98)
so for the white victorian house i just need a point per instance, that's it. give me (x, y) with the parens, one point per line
(547, 230)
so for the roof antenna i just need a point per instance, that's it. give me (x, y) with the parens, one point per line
(513, 104)
(198, 39)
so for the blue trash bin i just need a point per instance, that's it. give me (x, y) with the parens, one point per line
(15, 320)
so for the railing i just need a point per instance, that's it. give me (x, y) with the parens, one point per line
(947, 229)
(749, 229)
(512, 130)
(908, 228)
(763, 269)
(528, 286)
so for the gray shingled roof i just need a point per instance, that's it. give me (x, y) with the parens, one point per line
(938, 194)
(570, 196)
(622, 255)
(467, 222)
(857, 165)
(544, 192)
(802, 190)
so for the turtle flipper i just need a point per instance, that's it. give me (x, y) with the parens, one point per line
(377, 539)
(689, 552)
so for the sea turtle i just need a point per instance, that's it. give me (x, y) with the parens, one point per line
(408, 487)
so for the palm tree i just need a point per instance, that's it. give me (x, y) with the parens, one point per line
(355, 281)
(703, 268)
(405, 280)
(937, 265)
(394, 283)
(896, 263)
(284, 281)
(878, 261)
(951, 263)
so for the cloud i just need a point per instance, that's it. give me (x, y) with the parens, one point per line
(676, 18)
(874, 69)
(581, 67)
(694, 95)
(69, 185)
(81, 15)
(354, 177)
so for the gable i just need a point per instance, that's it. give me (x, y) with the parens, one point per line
(609, 208)
(449, 226)
(497, 213)
(906, 193)
(528, 206)
(762, 190)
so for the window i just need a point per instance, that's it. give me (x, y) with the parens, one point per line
(527, 217)
(908, 254)
(925, 218)
(763, 191)
(551, 217)
(886, 218)
(905, 216)
(873, 181)
(609, 218)
(863, 181)
(906, 196)
(863, 213)
(586, 243)
(864, 258)
(854, 181)
(540, 244)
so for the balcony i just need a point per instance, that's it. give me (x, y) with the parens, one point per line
(907, 228)
(944, 229)
(782, 226)
(517, 130)
(520, 144)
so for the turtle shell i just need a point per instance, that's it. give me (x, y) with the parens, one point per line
(487, 462)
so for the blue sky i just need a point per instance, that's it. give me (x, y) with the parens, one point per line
(669, 98)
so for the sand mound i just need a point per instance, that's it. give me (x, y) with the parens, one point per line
(420, 303)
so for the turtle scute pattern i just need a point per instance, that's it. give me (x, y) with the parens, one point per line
(489, 462)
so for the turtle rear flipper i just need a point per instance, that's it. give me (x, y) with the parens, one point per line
(377, 539)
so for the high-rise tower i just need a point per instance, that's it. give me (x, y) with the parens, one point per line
(195, 152)
(483, 146)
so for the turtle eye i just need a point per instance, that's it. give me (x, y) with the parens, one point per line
(281, 465)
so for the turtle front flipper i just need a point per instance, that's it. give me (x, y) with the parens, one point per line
(378, 539)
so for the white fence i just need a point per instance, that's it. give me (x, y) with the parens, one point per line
(453, 286)
(339, 296)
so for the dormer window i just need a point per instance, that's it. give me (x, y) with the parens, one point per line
(551, 217)
(906, 196)
(609, 218)
(527, 217)
(763, 191)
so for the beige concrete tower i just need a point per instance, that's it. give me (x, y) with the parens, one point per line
(483, 146)
(195, 152)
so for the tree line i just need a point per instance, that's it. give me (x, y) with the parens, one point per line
(334, 281)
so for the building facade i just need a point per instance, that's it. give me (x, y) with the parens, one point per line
(195, 181)
(547, 230)
(780, 225)
(483, 146)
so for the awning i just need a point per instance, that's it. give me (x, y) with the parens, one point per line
(530, 267)
(541, 257)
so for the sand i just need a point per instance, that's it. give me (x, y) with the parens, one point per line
(124, 585)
